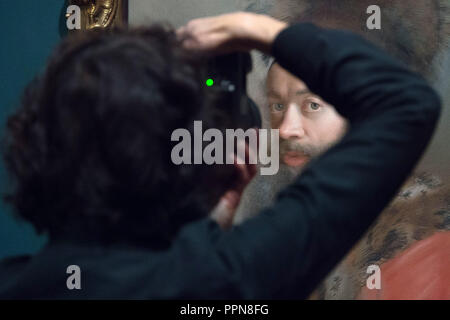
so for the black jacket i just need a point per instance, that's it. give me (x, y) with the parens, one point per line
(286, 250)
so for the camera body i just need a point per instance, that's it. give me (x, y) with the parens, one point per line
(226, 76)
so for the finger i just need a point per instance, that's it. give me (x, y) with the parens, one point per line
(246, 170)
(202, 25)
(213, 43)
(250, 167)
(181, 33)
(190, 44)
(225, 210)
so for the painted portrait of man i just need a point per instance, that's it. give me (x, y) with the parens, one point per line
(420, 215)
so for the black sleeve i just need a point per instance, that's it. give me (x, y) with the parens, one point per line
(286, 250)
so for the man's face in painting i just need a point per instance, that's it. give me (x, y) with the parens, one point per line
(308, 125)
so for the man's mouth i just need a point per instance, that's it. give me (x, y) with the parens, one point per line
(294, 159)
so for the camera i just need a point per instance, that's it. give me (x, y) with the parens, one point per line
(226, 77)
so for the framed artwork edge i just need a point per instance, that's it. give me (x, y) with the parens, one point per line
(102, 13)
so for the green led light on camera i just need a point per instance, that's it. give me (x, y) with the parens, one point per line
(210, 82)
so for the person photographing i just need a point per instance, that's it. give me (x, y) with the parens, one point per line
(138, 226)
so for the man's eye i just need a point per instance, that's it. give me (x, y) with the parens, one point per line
(313, 106)
(277, 107)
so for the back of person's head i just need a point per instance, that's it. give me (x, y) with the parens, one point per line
(89, 149)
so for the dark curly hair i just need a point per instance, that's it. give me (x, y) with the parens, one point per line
(89, 148)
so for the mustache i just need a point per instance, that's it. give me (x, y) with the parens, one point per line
(308, 150)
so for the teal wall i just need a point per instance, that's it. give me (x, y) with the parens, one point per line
(29, 30)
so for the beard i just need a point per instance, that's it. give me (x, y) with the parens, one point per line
(262, 191)
(290, 149)
(303, 149)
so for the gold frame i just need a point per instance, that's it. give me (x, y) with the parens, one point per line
(101, 13)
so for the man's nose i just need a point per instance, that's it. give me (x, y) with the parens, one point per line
(292, 125)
